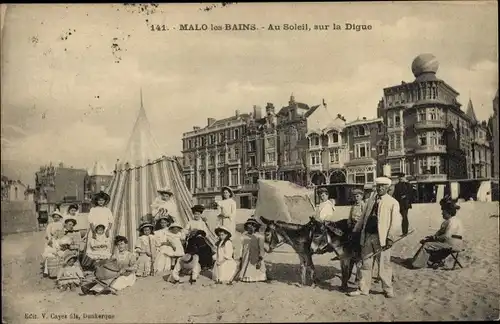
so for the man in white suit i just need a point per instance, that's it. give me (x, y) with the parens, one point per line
(379, 226)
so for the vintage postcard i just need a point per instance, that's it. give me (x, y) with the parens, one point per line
(249, 162)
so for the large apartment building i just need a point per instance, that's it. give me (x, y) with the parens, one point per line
(427, 134)
(344, 152)
(213, 157)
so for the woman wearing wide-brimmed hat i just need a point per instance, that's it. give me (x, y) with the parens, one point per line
(164, 204)
(436, 248)
(227, 210)
(56, 225)
(225, 266)
(253, 268)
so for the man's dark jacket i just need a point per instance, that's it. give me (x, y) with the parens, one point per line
(403, 193)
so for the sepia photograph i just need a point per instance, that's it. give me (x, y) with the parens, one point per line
(250, 162)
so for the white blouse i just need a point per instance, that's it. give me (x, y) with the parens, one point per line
(100, 216)
(325, 210)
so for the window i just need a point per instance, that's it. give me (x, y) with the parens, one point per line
(422, 139)
(221, 137)
(421, 115)
(334, 156)
(202, 160)
(390, 119)
(285, 156)
(397, 120)
(252, 161)
(236, 153)
(335, 137)
(228, 135)
(433, 138)
(189, 144)
(433, 114)
(361, 131)
(270, 142)
(395, 166)
(315, 158)
(397, 142)
(360, 178)
(315, 140)
(222, 180)
(435, 165)
(369, 177)
(212, 159)
(212, 179)
(361, 150)
(271, 157)
(211, 139)
(222, 157)
(203, 141)
(234, 178)
(251, 146)
(203, 179)
(236, 134)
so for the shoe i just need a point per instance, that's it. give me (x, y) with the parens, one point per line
(175, 282)
(191, 281)
(357, 293)
(389, 294)
(335, 259)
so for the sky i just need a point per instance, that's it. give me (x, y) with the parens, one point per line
(72, 74)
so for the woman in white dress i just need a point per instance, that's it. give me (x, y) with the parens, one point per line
(100, 214)
(225, 266)
(227, 210)
(163, 206)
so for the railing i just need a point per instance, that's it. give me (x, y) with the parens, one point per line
(396, 152)
(251, 187)
(480, 141)
(431, 149)
(395, 127)
(423, 124)
(233, 161)
(432, 177)
(316, 167)
(269, 163)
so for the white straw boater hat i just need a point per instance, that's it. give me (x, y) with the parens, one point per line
(57, 214)
(165, 190)
(224, 229)
(175, 224)
(383, 181)
(146, 224)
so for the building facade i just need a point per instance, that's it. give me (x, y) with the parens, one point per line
(212, 157)
(293, 144)
(56, 185)
(494, 145)
(15, 190)
(344, 152)
(99, 178)
(427, 135)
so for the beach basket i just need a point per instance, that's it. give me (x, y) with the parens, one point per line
(53, 266)
(108, 269)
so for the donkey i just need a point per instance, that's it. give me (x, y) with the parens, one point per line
(312, 238)
(299, 237)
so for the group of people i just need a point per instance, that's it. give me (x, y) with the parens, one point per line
(377, 219)
(164, 247)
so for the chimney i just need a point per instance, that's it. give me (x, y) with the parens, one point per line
(257, 112)
(210, 121)
(237, 113)
(195, 128)
(364, 118)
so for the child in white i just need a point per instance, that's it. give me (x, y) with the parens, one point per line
(145, 249)
(170, 247)
(56, 245)
(100, 246)
(225, 266)
(198, 221)
(70, 274)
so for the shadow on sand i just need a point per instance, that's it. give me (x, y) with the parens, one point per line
(404, 262)
(290, 274)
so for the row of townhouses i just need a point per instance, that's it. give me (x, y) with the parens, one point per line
(420, 130)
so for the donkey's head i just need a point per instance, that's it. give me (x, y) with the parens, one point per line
(271, 236)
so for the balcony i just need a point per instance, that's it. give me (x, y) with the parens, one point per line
(430, 124)
(480, 141)
(250, 187)
(394, 128)
(431, 177)
(233, 161)
(316, 167)
(335, 165)
(220, 164)
(268, 164)
(393, 153)
(426, 149)
(334, 144)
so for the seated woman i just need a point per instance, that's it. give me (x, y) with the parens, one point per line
(123, 263)
(436, 248)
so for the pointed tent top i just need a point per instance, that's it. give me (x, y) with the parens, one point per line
(142, 147)
(470, 111)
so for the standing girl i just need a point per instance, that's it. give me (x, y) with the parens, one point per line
(145, 250)
(100, 214)
(56, 225)
(227, 208)
(252, 266)
(225, 266)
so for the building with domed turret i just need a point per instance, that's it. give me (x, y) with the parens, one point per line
(428, 135)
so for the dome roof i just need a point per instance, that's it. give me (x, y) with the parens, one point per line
(424, 63)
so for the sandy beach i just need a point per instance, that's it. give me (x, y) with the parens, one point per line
(471, 293)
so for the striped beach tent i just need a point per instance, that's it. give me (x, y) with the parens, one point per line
(138, 176)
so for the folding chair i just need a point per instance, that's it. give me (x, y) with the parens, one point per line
(454, 254)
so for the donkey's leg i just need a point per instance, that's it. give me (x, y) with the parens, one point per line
(303, 270)
(345, 273)
(312, 270)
